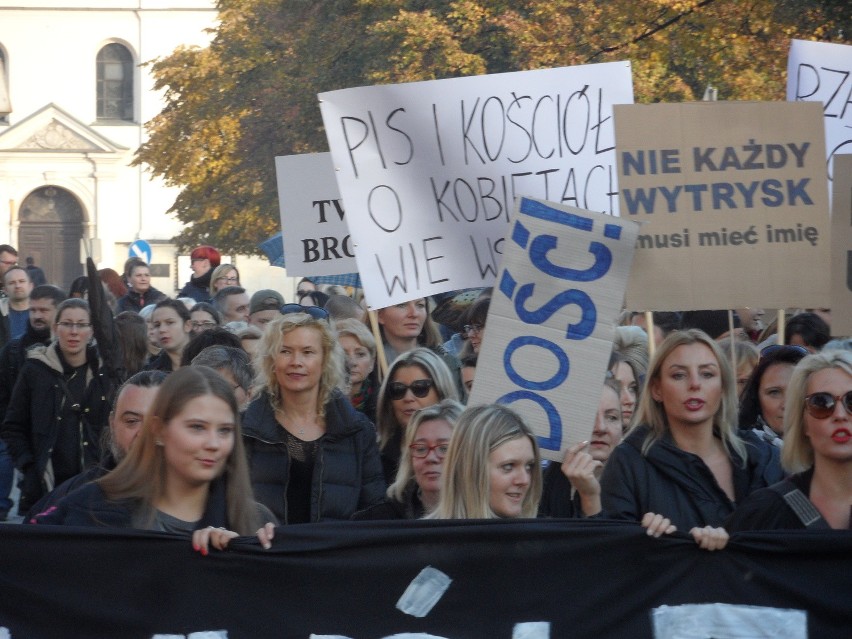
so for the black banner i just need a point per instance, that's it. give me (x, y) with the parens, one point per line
(485, 579)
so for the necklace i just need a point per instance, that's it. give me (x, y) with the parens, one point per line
(284, 418)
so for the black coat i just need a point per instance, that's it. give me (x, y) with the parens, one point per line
(89, 506)
(198, 288)
(410, 507)
(347, 475)
(679, 485)
(135, 301)
(12, 359)
(32, 423)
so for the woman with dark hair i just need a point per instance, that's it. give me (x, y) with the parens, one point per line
(817, 450)
(202, 261)
(312, 456)
(171, 323)
(492, 469)
(59, 406)
(140, 293)
(215, 337)
(416, 379)
(683, 465)
(808, 330)
(132, 332)
(473, 326)
(186, 473)
(313, 298)
(763, 399)
(204, 317)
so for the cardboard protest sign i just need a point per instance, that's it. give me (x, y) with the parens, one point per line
(822, 72)
(316, 238)
(429, 170)
(551, 320)
(733, 204)
(841, 247)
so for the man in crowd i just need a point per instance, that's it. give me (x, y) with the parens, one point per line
(14, 309)
(264, 306)
(233, 303)
(42, 311)
(37, 276)
(8, 259)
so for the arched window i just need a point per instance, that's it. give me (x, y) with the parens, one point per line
(5, 99)
(115, 83)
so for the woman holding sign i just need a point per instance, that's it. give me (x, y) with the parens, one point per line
(817, 448)
(683, 466)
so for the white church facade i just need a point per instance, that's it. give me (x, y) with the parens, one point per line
(74, 97)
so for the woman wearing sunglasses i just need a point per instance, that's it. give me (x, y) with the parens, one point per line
(417, 488)
(817, 449)
(416, 379)
(59, 406)
(764, 396)
(312, 456)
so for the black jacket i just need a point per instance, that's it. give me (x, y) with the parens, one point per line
(32, 423)
(12, 359)
(409, 508)
(679, 485)
(135, 301)
(89, 506)
(198, 288)
(69, 486)
(347, 475)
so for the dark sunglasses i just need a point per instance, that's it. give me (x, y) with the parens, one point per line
(420, 388)
(317, 312)
(821, 405)
(776, 348)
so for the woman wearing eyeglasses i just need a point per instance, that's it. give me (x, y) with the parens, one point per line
(417, 488)
(817, 449)
(312, 456)
(58, 407)
(203, 317)
(140, 293)
(202, 261)
(223, 276)
(763, 400)
(416, 379)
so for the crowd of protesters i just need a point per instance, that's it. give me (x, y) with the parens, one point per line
(223, 412)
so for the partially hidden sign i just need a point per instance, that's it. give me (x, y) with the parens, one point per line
(429, 170)
(551, 319)
(841, 247)
(316, 237)
(733, 204)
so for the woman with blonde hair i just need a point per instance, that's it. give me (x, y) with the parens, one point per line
(492, 469)
(416, 379)
(817, 450)
(312, 456)
(417, 488)
(185, 473)
(683, 465)
(360, 348)
(223, 276)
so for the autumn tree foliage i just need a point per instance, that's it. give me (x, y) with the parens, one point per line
(251, 95)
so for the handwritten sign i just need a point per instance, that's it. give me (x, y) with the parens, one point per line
(316, 237)
(822, 72)
(733, 204)
(429, 170)
(551, 320)
(841, 247)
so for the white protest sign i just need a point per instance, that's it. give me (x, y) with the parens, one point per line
(316, 238)
(822, 72)
(429, 170)
(551, 319)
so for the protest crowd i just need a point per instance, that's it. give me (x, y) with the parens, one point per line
(223, 412)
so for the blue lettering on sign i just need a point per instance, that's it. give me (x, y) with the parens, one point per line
(540, 248)
(554, 442)
(531, 340)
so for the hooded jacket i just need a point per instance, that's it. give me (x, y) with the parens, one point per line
(347, 474)
(35, 416)
(678, 484)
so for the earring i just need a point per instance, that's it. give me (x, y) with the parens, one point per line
(159, 442)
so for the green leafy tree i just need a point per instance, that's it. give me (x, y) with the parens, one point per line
(251, 95)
